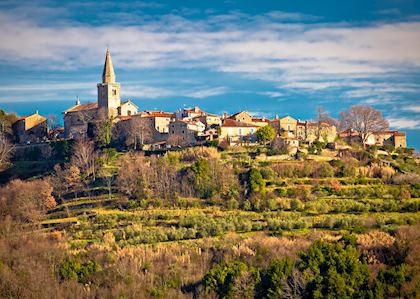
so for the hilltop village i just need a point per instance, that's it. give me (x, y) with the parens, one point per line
(157, 130)
(124, 203)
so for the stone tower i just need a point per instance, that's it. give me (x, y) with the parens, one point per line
(109, 90)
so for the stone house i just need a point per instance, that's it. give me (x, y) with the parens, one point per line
(209, 120)
(127, 108)
(235, 132)
(185, 132)
(242, 116)
(30, 128)
(391, 137)
(78, 118)
(313, 131)
(285, 125)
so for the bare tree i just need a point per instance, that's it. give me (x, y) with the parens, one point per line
(84, 156)
(139, 131)
(6, 149)
(177, 140)
(53, 121)
(365, 120)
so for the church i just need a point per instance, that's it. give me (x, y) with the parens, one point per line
(78, 118)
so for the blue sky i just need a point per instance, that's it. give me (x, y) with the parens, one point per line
(267, 57)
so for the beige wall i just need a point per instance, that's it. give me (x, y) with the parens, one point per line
(243, 117)
(237, 134)
(127, 109)
(33, 128)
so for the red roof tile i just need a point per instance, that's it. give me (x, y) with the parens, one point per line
(232, 123)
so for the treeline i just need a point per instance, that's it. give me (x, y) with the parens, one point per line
(325, 270)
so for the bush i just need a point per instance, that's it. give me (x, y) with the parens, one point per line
(72, 269)
(265, 134)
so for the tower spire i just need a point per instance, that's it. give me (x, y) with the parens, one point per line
(108, 75)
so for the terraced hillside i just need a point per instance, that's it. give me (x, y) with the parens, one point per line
(178, 225)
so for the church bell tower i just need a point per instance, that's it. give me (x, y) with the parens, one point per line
(108, 91)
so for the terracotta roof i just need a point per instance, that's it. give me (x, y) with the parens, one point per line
(122, 118)
(82, 107)
(22, 117)
(300, 123)
(399, 134)
(232, 123)
(156, 114)
(386, 132)
(255, 119)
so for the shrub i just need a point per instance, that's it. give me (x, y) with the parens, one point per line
(72, 269)
(256, 181)
(221, 278)
(265, 134)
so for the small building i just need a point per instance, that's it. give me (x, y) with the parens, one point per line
(30, 128)
(209, 120)
(235, 132)
(242, 116)
(391, 137)
(285, 125)
(185, 132)
(77, 119)
(127, 108)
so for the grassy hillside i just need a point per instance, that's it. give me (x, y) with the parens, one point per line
(202, 223)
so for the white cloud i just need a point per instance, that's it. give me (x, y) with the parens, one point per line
(412, 108)
(272, 94)
(205, 93)
(306, 56)
(404, 123)
(147, 92)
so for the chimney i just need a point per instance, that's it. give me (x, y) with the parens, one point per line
(77, 101)
(277, 116)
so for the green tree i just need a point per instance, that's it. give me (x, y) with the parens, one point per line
(265, 134)
(221, 278)
(273, 278)
(256, 181)
(335, 271)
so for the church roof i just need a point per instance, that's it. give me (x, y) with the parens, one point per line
(82, 107)
(108, 75)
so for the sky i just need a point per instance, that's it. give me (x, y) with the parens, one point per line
(284, 57)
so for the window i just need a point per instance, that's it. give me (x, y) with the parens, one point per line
(240, 131)
(114, 92)
(182, 132)
(128, 112)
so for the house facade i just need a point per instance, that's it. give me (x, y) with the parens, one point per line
(235, 132)
(30, 128)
